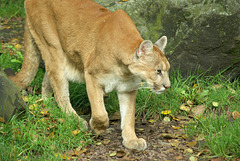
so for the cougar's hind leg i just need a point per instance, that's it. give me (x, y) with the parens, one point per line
(59, 84)
(46, 87)
(31, 61)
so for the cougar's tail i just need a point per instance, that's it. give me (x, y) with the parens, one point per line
(31, 61)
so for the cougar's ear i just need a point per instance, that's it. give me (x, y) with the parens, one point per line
(146, 46)
(161, 43)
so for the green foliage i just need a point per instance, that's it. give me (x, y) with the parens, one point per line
(38, 136)
(12, 8)
(13, 61)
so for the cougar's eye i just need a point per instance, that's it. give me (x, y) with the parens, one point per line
(159, 72)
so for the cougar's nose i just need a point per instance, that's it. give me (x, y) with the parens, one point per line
(166, 87)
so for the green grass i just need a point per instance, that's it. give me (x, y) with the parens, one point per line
(12, 8)
(38, 136)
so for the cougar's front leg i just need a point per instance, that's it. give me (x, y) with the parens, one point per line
(99, 120)
(127, 103)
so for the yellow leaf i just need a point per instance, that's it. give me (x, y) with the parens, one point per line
(174, 143)
(1, 119)
(184, 108)
(79, 152)
(106, 141)
(195, 85)
(58, 155)
(215, 104)
(166, 119)
(152, 121)
(25, 98)
(166, 112)
(235, 115)
(64, 157)
(189, 150)
(192, 143)
(98, 143)
(51, 135)
(18, 46)
(113, 154)
(174, 118)
(41, 120)
(190, 103)
(33, 107)
(75, 132)
(175, 127)
(140, 129)
(193, 158)
(45, 111)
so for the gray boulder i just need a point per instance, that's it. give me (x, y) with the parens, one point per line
(11, 101)
(203, 35)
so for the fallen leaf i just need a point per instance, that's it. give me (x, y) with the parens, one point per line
(169, 136)
(25, 98)
(181, 117)
(174, 143)
(139, 129)
(193, 158)
(60, 120)
(217, 159)
(192, 143)
(235, 115)
(2, 120)
(79, 152)
(113, 154)
(215, 104)
(75, 132)
(217, 86)
(166, 112)
(175, 127)
(45, 111)
(189, 103)
(178, 158)
(65, 157)
(201, 152)
(232, 90)
(166, 119)
(174, 118)
(18, 46)
(33, 107)
(188, 150)
(200, 137)
(39, 100)
(51, 135)
(120, 153)
(195, 85)
(116, 116)
(184, 137)
(98, 143)
(106, 141)
(198, 110)
(152, 121)
(184, 108)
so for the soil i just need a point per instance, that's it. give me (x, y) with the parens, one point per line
(166, 140)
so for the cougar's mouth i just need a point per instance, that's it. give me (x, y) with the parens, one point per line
(159, 91)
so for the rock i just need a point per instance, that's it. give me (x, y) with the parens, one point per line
(11, 101)
(204, 36)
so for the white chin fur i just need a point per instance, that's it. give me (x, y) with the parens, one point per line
(160, 91)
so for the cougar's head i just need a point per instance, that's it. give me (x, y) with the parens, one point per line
(151, 64)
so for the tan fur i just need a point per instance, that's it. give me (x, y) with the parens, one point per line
(80, 40)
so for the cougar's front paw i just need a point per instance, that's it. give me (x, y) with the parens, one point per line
(136, 144)
(99, 125)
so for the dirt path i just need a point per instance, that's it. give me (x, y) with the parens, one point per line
(166, 140)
